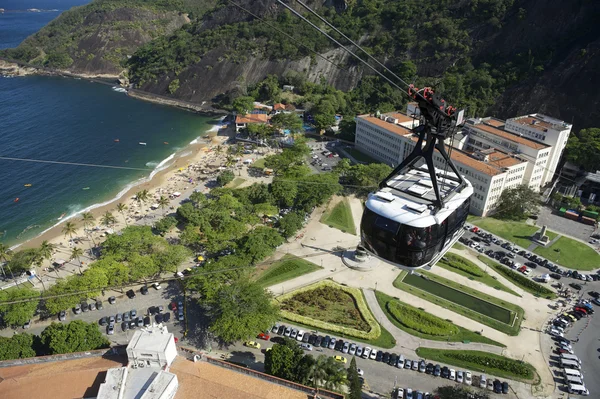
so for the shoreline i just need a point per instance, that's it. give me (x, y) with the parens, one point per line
(161, 179)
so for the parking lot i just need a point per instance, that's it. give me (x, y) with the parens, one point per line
(323, 156)
(378, 375)
(560, 224)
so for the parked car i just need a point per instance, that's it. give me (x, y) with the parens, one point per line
(130, 294)
(445, 372)
(429, 369)
(300, 335)
(576, 286)
(437, 371)
(452, 375)
(85, 307)
(112, 300)
(99, 305)
(415, 365)
(386, 358)
(110, 329)
(366, 352)
(459, 376)
(505, 387)
(468, 378)
(144, 290)
(281, 330)
(252, 344)
(352, 350)
(422, 366)
(497, 386)
(306, 347)
(340, 359)
(379, 356)
(345, 347)
(62, 315)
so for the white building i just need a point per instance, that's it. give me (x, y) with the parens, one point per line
(543, 129)
(150, 352)
(490, 171)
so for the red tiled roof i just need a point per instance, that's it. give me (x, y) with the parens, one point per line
(402, 118)
(509, 136)
(399, 130)
(251, 118)
(278, 107)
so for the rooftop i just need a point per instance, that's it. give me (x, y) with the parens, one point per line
(278, 106)
(393, 128)
(402, 118)
(251, 118)
(489, 128)
(541, 122)
(151, 340)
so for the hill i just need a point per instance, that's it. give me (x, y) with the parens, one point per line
(503, 57)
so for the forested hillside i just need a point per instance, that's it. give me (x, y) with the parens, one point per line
(492, 56)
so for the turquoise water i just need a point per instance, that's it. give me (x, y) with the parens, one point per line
(68, 120)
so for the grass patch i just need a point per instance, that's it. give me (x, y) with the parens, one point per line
(519, 280)
(454, 333)
(286, 268)
(516, 232)
(328, 304)
(464, 267)
(474, 304)
(340, 217)
(359, 156)
(459, 246)
(259, 164)
(478, 361)
(570, 253)
(238, 181)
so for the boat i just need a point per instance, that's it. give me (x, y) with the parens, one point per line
(117, 140)
(28, 185)
(16, 199)
(119, 89)
(61, 216)
(165, 142)
(85, 188)
(140, 143)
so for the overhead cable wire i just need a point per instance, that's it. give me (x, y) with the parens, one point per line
(73, 163)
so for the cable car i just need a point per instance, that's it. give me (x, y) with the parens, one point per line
(419, 210)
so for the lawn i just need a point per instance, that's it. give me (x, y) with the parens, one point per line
(571, 253)
(259, 164)
(340, 217)
(287, 268)
(486, 309)
(459, 246)
(519, 279)
(516, 232)
(483, 362)
(238, 181)
(359, 156)
(464, 267)
(417, 322)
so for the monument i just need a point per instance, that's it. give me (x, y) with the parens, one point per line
(540, 237)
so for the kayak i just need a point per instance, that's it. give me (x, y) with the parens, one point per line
(27, 185)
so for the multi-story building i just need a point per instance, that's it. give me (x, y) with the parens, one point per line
(543, 129)
(389, 139)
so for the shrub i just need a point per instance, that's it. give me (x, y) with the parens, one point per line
(420, 321)
(509, 365)
(460, 263)
(520, 280)
(374, 331)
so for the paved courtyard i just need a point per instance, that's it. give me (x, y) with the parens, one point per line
(562, 225)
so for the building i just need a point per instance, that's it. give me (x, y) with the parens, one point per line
(543, 129)
(242, 121)
(388, 138)
(154, 347)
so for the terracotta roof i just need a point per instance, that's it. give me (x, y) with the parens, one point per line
(495, 122)
(201, 380)
(251, 118)
(509, 136)
(528, 121)
(278, 107)
(402, 118)
(399, 130)
(77, 378)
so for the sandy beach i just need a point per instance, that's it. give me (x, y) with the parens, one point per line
(184, 175)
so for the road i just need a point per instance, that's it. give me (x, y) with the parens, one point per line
(317, 160)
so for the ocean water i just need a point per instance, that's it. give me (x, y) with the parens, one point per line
(69, 120)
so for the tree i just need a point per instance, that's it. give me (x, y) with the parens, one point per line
(19, 346)
(583, 149)
(142, 197)
(458, 392)
(77, 253)
(269, 89)
(291, 223)
(121, 208)
(198, 199)
(283, 359)
(353, 381)
(284, 192)
(69, 229)
(76, 336)
(240, 309)
(163, 202)
(260, 131)
(165, 224)
(108, 219)
(517, 203)
(17, 314)
(260, 243)
(88, 221)
(290, 121)
(243, 105)
(46, 250)
(5, 255)
(225, 178)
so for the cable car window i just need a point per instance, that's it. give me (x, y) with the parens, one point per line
(387, 224)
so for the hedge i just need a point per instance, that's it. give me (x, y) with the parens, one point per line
(519, 279)
(481, 361)
(460, 263)
(373, 333)
(419, 320)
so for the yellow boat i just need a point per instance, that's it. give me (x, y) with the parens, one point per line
(27, 185)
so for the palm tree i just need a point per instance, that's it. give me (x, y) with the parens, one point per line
(88, 220)
(108, 219)
(141, 197)
(69, 229)
(44, 252)
(5, 255)
(121, 208)
(76, 253)
(163, 202)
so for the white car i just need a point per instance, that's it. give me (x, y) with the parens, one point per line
(468, 378)
(359, 351)
(459, 376)
(527, 272)
(306, 347)
(556, 333)
(409, 394)
(415, 365)
(352, 350)
(373, 354)
(593, 241)
(300, 335)
(366, 352)
(400, 393)
(294, 333)
(360, 372)
(452, 375)
(288, 332)
(157, 286)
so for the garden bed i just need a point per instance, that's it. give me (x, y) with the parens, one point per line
(340, 217)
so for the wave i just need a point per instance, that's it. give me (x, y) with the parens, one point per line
(152, 164)
(185, 154)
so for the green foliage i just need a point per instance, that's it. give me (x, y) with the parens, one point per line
(353, 381)
(58, 60)
(240, 310)
(458, 392)
(475, 360)
(283, 359)
(17, 314)
(340, 217)
(76, 336)
(520, 280)
(419, 320)
(460, 263)
(243, 105)
(583, 149)
(18, 346)
(517, 203)
(165, 224)
(225, 178)
(286, 268)
(260, 243)
(174, 86)
(289, 224)
(289, 121)
(21, 261)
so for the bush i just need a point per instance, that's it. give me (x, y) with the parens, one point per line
(225, 178)
(419, 320)
(520, 280)
(460, 263)
(375, 328)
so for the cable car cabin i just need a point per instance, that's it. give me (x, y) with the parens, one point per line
(400, 226)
